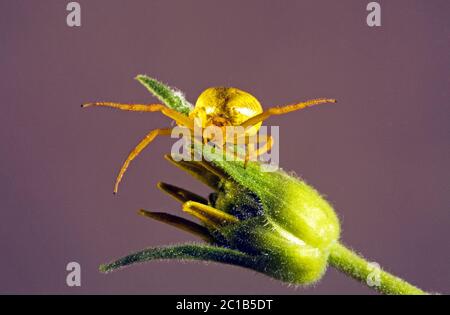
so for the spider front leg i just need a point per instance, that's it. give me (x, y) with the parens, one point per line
(138, 149)
(280, 110)
(178, 117)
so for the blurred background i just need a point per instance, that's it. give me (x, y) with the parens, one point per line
(380, 156)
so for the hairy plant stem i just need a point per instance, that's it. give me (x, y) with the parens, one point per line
(357, 267)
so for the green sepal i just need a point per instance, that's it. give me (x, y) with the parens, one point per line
(171, 97)
(183, 252)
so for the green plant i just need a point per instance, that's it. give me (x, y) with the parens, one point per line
(271, 222)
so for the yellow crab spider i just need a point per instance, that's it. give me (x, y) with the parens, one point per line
(216, 106)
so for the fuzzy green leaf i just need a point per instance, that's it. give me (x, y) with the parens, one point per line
(171, 97)
(183, 252)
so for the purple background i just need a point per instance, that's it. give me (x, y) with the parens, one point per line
(381, 155)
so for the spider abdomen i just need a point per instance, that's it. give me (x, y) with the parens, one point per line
(225, 106)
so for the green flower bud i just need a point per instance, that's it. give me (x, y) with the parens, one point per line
(271, 222)
(283, 221)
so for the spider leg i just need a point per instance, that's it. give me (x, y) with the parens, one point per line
(232, 140)
(247, 150)
(229, 146)
(280, 110)
(266, 147)
(122, 106)
(208, 215)
(139, 147)
(250, 151)
(178, 117)
(180, 223)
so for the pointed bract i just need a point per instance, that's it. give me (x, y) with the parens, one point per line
(171, 97)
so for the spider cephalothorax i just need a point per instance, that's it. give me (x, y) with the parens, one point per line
(216, 106)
